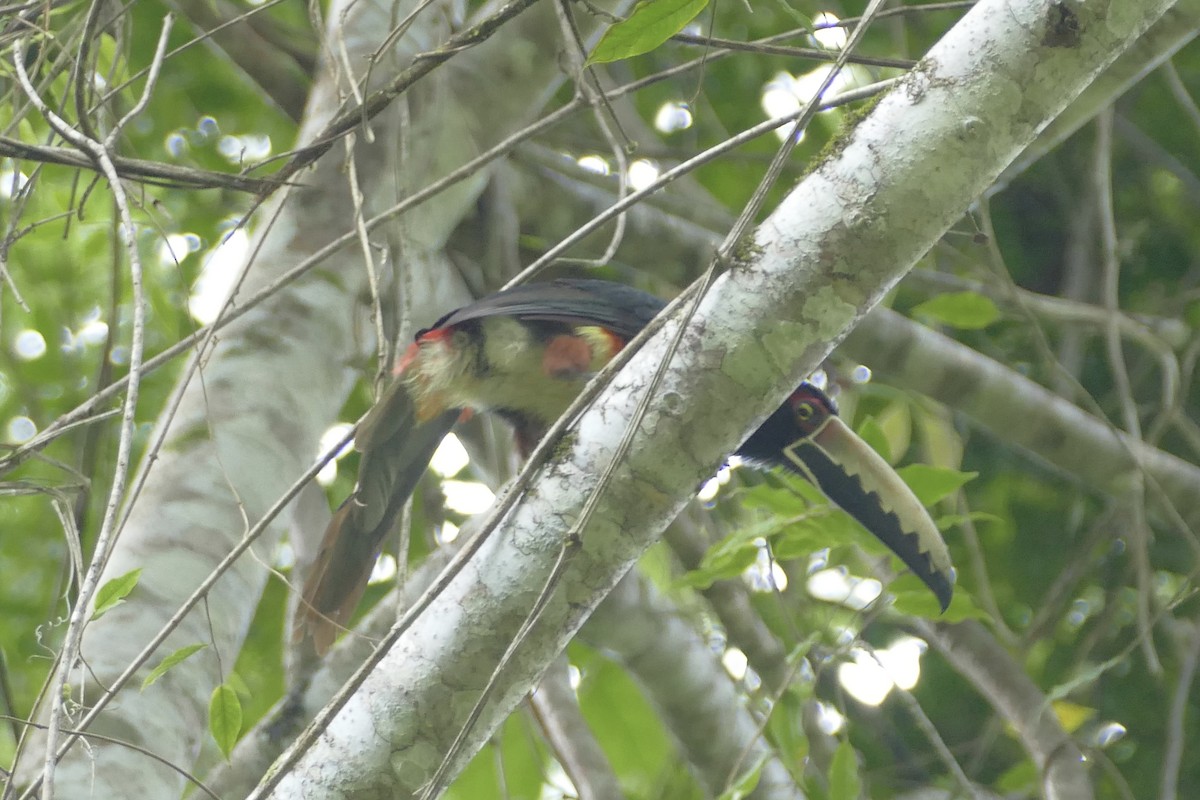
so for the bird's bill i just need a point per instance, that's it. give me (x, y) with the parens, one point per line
(865, 486)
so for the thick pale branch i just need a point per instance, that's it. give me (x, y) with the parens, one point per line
(582, 757)
(1176, 28)
(976, 654)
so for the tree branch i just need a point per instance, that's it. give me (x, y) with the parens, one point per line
(912, 356)
(719, 738)
(972, 651)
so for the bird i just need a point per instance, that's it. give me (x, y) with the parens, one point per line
(525, 353)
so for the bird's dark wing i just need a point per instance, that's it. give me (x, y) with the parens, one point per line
(621, 309)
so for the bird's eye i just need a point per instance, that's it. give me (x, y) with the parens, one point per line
(805, 411)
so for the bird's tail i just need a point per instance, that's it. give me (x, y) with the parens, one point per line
(396, 446)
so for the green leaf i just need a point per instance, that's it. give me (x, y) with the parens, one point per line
(844, 783)
(802, 537)
(235, 682)
(931, 484)
(651, 23)
(786, 725)
(895, 422)
(1072, 716)
(615, 705)
(966, 310)
(745, 784)
(948, 521)
(225, 717)
(913, 599)
(728, 558)
(781, 494)
(1191, 314)
(871, 432)
(941, 443)
(178, 656)
(114, 592)
(1019, 779)
(1084, 677)
(840, 529)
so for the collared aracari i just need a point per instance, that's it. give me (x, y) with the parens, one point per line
(525, 354)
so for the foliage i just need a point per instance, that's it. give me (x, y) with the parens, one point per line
(651, 23)
(114, 592)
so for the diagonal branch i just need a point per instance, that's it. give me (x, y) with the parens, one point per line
(1023, 412)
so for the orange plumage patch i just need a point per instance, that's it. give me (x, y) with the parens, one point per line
(612, 343)
(414, 349)
(406, 360)
(582, 353)
(429, 402)
(567, 356)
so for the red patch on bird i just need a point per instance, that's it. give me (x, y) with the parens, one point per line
(434, 335)
(567, 356)
(806, 392)
(406, 360)
(414, 350)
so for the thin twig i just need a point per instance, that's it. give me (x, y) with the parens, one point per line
(232, 313)
(394, 35)
(737, 140)
(100, 737)
(81, 69)
(809, 53)
(1181, 94)
(1175, 736)
(916, 8)
(588, 87)
(196, 596)
(422, 64)
(105, 539)
(1111, 271)
(155, 173)
(364, 242)
(151, 81)
(926, 726)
